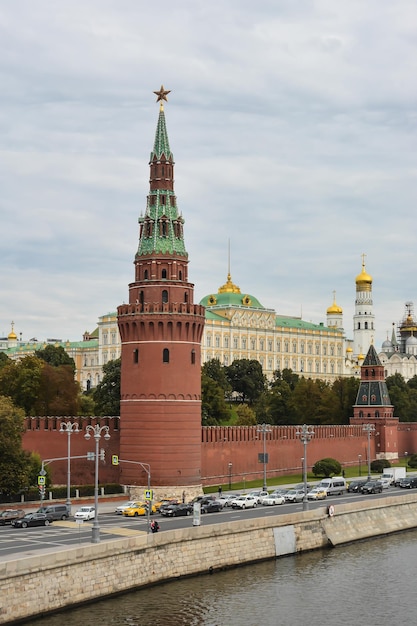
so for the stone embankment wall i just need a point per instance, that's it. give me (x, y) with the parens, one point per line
(55, 580)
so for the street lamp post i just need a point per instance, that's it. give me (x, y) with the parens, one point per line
(230, 475)
(264, 429)
(369, 428)
(96, 430)
(69, 428)
(305, 433)
(360, 464)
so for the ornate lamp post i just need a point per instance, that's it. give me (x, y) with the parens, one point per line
(230, 476)
(369, 428)
(264, 429)
(69, 428)
(305, 433)
(96, 430)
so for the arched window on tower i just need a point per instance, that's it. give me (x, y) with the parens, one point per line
(186, 296)
(359, 325)
(165, 355)
(164, 296)
(146, 274)
(180, 275)
(366, 325)
(192, 357)
(164, 273)
(136, 356)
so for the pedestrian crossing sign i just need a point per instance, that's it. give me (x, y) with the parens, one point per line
(148, 494)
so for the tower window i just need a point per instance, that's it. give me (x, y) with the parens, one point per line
(146, 275)
(192, 357)
(136, 356)
(165, 355)
(164, 273)
(164, 296)
(180, 275)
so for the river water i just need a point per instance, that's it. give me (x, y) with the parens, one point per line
(368, 583)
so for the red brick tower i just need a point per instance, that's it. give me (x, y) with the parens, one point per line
(373, 406)
(161, 330)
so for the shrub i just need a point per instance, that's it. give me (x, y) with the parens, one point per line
(379, 465)
(327, 467)
(412, 461)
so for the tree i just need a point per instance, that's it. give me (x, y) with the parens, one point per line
(246, 378)
(58, 391)
(107, 392)
(20, 380)
(214, 409)
(245, 416)
(217, 372)
(327, 467)
(55, 355)
(14, 470)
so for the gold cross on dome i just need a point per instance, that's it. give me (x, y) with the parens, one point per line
(162, 94)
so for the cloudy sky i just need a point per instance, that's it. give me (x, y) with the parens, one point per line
(293, 127)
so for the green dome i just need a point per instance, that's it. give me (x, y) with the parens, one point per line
(228, 299)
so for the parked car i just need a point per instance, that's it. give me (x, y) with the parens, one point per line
(122, 507)
(259, 495)
(164, 503)
(139, 508)
(272, 499)
(294, 495)
(32, 519)
(385, 482)
(318, 493)
(226, 499)
(174, 510)
(211, 506)
(372, 486)
(56, 511)
(408, 483)
(10, 515)
(245, 502)
(356, 485)
(85, 513)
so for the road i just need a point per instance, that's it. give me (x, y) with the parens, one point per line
(23, 542)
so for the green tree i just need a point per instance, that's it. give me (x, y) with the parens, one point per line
(245, 416)
(217, 372)
(214, 409)
(107, 393)
(58, 391)
(280, 409)
(21, 380)
(327, 467)
(399, 395)
(246, 378)
(55, 355)
(4, 359)
(14, 470)
(345, 391)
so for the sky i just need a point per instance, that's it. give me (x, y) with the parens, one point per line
(293, 129)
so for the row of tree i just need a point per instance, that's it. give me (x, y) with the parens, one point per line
(289, 398)
(44, 384)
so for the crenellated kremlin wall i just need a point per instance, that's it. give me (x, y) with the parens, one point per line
(229, 453)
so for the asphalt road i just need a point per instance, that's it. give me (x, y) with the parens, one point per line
(22, 542)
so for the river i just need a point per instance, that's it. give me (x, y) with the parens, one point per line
(368, 583)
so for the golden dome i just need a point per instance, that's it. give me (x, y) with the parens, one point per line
(334, 309)
(363, 280)
(349, 349)
(12, 335)
(229, 286)
(361, 357)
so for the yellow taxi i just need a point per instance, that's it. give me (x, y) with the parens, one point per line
(138, 508)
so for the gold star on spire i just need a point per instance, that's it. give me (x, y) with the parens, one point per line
(162, 94)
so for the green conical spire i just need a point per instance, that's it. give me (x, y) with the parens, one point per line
(161, 229)
(161, 143)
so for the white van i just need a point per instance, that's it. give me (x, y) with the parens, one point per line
(335, 486)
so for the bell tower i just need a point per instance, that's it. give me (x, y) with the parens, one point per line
(161, 330)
